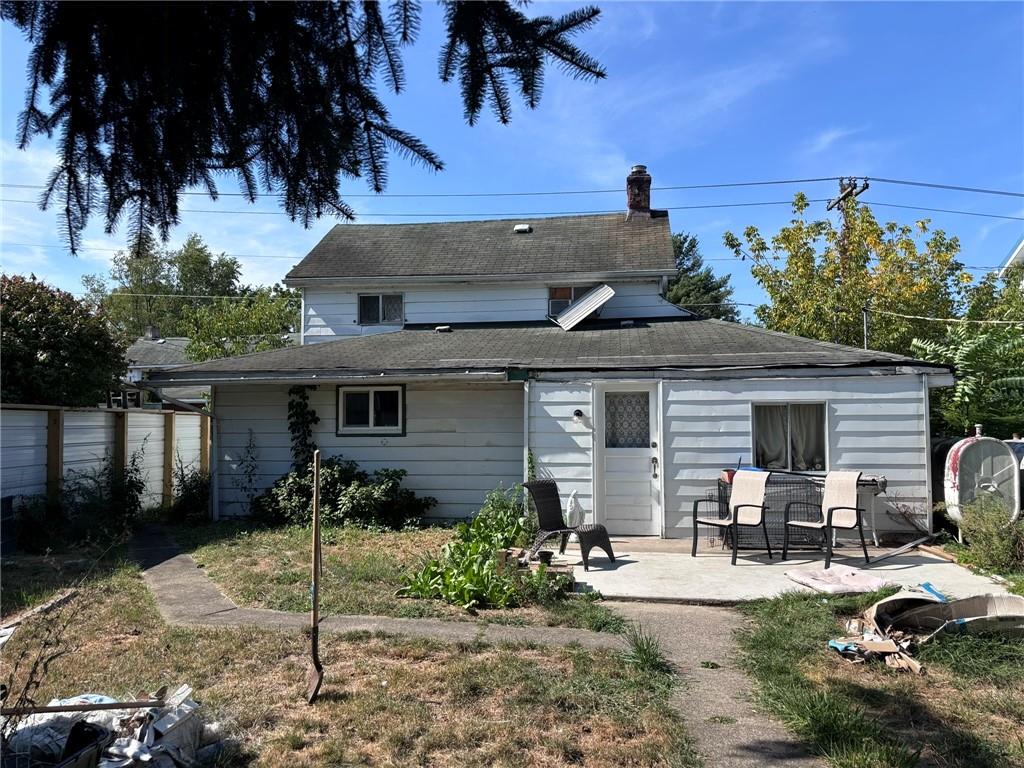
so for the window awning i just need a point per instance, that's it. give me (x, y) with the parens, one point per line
(583, 307)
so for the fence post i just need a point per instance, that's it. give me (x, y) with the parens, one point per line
(120, 443)
(204, 444)
(54, 456)
(169, 445)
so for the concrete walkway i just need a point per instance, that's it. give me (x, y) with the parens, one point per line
(715, 700)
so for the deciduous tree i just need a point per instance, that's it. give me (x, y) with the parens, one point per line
(257, 323)
(819, 275)
(54, 349)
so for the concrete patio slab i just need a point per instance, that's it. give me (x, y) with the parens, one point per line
(660, 570)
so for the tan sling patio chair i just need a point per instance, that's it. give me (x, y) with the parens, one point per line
(746, 508)
(838, 510)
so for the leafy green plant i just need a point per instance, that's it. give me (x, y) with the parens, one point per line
(301, 420)
(191, 493)
(100, 504)
(467, 572)
(988, 388)
(348, 496)
(993, 542)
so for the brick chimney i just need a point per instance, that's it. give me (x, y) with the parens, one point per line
(638, 192)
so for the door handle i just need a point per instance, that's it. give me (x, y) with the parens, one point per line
(654, 466)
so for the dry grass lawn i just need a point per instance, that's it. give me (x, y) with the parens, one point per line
(967, 711)
(385, 701)
(269, 568)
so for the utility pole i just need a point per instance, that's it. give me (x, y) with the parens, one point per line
(847, 189)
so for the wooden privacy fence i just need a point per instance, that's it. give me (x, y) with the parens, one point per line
(42, 445)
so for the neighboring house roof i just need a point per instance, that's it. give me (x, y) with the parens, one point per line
(604, 345)
(593, 244)
(157, 353)
(1016, 257)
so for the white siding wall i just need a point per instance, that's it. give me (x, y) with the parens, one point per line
(186, 440)
(332, 312)
(146, 436)
(875, 425)
(88, 440)
(639, 300)
(461, 441)
(562, 449)
(23, 441)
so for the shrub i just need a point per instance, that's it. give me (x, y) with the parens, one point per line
(191, 494)
(993, 542)
(467, 574)
(348, 496)
(98, 504)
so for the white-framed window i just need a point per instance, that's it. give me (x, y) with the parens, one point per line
(560, 297)
(371, 410)
(381, 309)
(790, 436)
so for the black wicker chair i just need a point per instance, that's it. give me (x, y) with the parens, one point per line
(551, 523)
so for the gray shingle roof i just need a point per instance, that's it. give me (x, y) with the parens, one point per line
(145, 352)
(675, 344)
(559, 244)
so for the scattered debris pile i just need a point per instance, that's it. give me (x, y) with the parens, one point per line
(157, 731)
(893, 627)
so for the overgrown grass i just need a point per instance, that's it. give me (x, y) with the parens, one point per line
(1014, 578)
(385, 700)
(28, 580)
(966, 712)
(269, 568)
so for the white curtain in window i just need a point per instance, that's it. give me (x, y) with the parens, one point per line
(770, 437)
(808, 434)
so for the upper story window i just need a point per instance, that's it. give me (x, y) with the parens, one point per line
(380, 308)
(790, 436)
(561, 297)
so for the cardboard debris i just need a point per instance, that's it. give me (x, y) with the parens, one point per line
(892, 627)
(838, 580)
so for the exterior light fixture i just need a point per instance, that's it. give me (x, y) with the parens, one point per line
(577, 416)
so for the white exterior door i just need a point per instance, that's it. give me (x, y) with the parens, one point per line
(627, 458)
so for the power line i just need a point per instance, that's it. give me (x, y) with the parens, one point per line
(616, 190)
(949, 186)
(944, 319)
(507, 195)
(946, 210)
(119, 250)
(503, 215)
(180, 296)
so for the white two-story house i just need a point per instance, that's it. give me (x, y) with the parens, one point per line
(463, 352)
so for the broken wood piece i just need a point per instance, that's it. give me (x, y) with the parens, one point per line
(86, 707)
(54, 602)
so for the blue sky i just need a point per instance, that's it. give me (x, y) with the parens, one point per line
(702, 93)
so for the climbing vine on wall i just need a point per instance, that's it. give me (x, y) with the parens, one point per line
(301, 420)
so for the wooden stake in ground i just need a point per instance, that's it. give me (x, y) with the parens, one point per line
(316, 674)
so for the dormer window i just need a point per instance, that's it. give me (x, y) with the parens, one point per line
(559, 298)
(381, 309)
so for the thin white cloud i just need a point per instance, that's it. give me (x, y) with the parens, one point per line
(824, 140)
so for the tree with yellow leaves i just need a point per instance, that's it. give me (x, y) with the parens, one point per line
(819, 276)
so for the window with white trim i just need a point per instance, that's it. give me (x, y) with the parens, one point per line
(381, 309)
(790, 436)
(371, 410)
(560, 297)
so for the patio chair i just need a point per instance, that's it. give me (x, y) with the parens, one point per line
(838, 509)
(746, 509)
(551, 523)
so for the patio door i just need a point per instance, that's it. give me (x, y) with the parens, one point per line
(627, 458)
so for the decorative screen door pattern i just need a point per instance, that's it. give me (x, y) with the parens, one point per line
(627, 419)
(631, 500)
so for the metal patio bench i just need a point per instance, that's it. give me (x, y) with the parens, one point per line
(551, 523)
